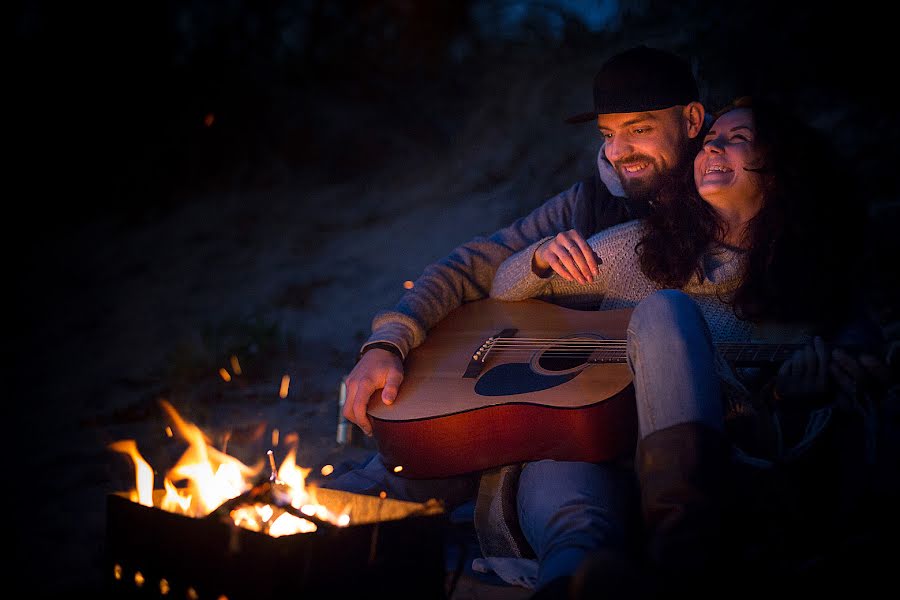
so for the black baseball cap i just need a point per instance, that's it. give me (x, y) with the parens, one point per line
(638, 80)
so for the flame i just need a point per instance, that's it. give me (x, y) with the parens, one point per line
(295, 477)
(142, 470)
(204, 478)
(213, 476)
(285, 386)
(175, 500)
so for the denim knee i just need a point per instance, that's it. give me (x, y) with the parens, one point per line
(671, 355)
(663, 310)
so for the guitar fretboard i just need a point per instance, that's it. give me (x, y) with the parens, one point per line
(596, 351)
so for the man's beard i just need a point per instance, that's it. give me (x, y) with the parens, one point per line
(641, 188)
(647, 188)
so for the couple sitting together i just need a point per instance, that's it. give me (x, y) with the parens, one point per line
(719, 228)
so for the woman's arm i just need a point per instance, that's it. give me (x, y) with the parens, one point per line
(515, 279)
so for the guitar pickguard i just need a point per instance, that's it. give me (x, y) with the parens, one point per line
(517, 378)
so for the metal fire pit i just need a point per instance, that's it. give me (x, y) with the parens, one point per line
(392, 548)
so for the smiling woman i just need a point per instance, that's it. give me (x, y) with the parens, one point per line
(727, 169)
(769, 184)
(739, 248)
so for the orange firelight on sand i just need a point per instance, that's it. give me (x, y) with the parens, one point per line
(205, 478)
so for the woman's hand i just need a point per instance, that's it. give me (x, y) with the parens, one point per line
(569, 255)
(865, 375)
(803, 377)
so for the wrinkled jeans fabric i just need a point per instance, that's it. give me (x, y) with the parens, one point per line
(672, 359)
(569, 509)
(374, 477)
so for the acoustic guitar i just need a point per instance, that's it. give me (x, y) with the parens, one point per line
(499, 382)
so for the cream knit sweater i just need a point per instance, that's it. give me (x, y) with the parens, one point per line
(621, 284)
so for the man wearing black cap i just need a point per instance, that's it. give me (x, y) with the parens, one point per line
(646, 105)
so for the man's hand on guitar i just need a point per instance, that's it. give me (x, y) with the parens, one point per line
(569, 255)
(377, 370)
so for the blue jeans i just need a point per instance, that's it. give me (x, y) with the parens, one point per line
(567, 510)
(374, 477)
(672, 360)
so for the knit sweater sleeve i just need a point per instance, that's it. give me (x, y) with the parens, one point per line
(516, 280)
(619, 280)
(466, 274)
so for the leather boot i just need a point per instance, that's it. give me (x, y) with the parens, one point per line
(682, 471)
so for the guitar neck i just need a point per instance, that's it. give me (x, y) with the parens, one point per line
(756, 354)
(737, 353)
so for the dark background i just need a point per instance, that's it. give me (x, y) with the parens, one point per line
(115, 93)
(132, 118)
(110, 99)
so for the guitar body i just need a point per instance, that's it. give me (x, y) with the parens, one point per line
(456, 415)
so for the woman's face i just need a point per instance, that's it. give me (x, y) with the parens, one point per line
(721, 167)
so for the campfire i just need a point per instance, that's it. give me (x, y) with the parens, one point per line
(218, 528)
(278, 503)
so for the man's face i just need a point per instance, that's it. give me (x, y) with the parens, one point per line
(644, 146)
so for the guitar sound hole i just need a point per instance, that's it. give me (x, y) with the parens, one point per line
(559, 358)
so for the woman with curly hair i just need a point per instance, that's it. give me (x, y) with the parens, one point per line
(756, 243)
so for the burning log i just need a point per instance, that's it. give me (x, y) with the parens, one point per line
(270, 492)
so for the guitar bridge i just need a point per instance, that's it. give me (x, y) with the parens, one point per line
(476, 363)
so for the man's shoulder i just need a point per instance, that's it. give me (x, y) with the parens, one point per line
(595, 184)
(590, 187)
(594, 190)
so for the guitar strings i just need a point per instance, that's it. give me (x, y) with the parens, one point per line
(573, 343)
(517, 341)
(577, 347)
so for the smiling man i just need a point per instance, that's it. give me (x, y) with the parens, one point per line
(647, 108)
(643, 147)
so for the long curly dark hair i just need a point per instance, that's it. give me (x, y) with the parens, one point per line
(800, 245)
